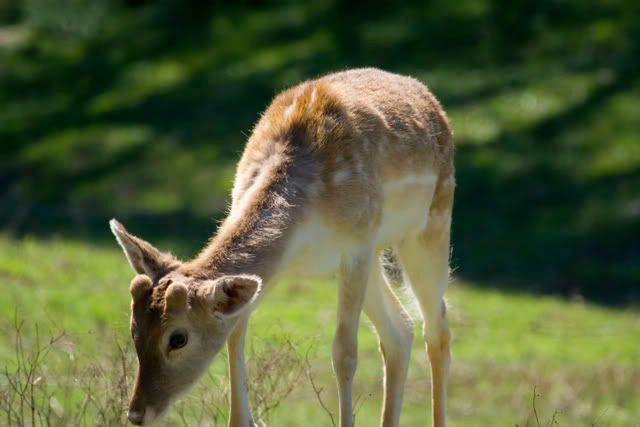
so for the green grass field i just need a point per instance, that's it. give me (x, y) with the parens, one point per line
(582, 361)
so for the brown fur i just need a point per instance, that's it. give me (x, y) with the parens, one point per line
(389, 123)
(324, 148)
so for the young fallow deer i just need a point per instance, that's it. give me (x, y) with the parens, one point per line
(336, 170)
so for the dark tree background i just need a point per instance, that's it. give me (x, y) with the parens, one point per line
(139, 109)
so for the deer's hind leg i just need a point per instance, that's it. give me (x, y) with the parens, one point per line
(425, 257)
(394, 328)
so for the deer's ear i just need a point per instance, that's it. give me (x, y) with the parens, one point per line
(143, 257)
(231, 295)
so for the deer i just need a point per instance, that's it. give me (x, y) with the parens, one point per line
(337, 171)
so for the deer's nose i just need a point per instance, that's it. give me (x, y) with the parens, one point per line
(136, 417)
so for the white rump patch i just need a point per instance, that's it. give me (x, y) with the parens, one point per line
(406, 207)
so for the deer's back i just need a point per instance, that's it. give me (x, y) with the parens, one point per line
(372, 146)
(389, 121)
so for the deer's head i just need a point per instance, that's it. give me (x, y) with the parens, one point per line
(178, 323)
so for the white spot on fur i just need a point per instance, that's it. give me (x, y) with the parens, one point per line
(359, 166)
(313, 97)
(449, 182)
(289, 110)
(341, 176)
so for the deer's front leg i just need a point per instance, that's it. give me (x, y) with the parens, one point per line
(351, 294)
(240, 413)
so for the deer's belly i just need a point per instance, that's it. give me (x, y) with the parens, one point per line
(316, 249)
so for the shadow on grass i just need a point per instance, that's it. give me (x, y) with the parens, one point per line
(99, 123)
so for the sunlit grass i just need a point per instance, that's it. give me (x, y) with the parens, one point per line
(582, 360)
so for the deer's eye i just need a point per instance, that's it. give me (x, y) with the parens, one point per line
(178, 339)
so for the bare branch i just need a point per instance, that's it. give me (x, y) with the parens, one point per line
(317, 390)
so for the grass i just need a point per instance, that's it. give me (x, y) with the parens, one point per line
(581, 360)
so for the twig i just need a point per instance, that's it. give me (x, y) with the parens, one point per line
(535, 411)
(317, 390)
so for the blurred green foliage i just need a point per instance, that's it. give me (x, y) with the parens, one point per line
(140, 109)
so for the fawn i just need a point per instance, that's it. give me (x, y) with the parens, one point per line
(336, 170)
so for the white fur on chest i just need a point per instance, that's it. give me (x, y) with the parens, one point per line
(315, 251)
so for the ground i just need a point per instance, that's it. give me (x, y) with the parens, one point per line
(581, 360)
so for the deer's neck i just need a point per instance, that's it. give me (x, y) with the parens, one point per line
(253, 237)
